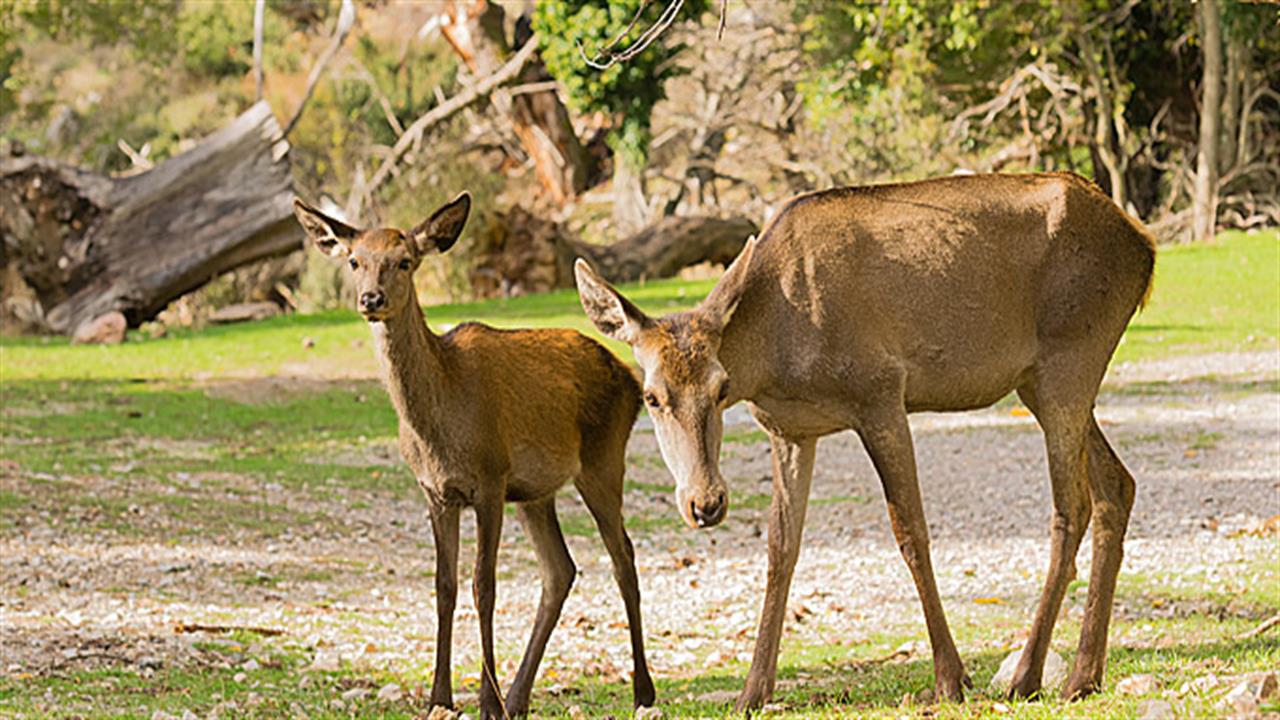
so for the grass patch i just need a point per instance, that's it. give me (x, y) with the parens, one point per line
(1219, 296)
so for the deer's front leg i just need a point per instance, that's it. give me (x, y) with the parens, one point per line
(887, 437)
(444, 526)
(792, 473)
(489, 532)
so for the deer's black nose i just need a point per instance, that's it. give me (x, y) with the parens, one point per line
(372, 300)
(710, 513)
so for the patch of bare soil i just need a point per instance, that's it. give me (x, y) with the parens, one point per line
(349, 584)
(274, 388)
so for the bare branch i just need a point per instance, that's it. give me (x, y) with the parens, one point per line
(346, 18)
(644, 41)
(414, 132)
(259, 10)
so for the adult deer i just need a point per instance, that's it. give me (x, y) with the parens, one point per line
(858, 306)
(493, 416)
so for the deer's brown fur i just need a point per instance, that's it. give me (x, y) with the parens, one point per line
(858, 306)
(491, 416)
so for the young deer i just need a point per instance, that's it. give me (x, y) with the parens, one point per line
(858, 306)
(493, 416)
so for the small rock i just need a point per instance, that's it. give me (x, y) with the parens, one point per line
(389, 693)
(1263, 685)
(327, 660)
(308, 343)
(575, 713)
(149, 662)
(1241, 701)
(648, 713)
(240, 677)
(1055, 672)
(1137, 685)
(162, 715)
(913, 648)
(1155, 710)
(106, 329)
(1201, 684)
(250, 665)
(188, 715)
(355, 694)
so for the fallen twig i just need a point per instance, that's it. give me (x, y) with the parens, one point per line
(197, 627)
(1266, 625)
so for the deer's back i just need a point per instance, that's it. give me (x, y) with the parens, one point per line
(962, 282)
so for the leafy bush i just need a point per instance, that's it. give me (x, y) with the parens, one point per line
(627, 90)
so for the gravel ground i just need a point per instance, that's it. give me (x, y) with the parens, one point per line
(1201, 435)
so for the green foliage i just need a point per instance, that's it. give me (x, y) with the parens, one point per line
(627, 90)
(217, 38)
(144, 27)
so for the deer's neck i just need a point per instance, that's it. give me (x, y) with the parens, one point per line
(413, 366)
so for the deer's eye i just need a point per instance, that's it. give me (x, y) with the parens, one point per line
(651, 400)
(405, 264)
(723, 394)
(354, 265)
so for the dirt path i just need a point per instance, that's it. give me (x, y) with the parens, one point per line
(1201, 435)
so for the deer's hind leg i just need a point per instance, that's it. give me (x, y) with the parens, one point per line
(1112, 490)
(558, 571)
(1064, 417)
(601, 489)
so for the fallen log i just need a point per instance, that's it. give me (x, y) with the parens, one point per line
(75, 245)
(519, 253)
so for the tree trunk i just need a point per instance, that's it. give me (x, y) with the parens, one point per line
(630, 208)
(84, 245)
(1205, 190)
(1236, 57)
(521, 253)
(540, 120)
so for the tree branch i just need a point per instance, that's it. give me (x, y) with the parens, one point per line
(413, 133)
(645, 40)
(346, 18)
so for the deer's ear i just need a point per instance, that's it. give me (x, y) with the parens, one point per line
(724, 297)
(440, 231)
(332, 237)
(609, 311)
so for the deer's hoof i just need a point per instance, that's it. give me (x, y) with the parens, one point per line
(643, 693)
(1024, 688)
(753, 697)
(1079, 687)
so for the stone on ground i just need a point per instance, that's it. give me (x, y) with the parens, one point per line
(1055, 672)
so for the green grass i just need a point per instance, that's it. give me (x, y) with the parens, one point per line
(831, 681)
(1220, 296)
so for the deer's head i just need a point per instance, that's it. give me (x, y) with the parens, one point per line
(383, 260)
(685, 386)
